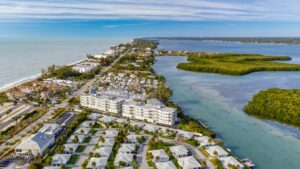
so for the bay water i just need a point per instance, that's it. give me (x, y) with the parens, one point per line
(219, 100)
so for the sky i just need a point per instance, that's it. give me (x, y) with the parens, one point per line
(149, 18)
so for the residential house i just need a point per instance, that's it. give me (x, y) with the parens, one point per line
(179, 151)
(159, 156)
(189, 163)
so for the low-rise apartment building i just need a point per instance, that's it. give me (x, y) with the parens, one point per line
(153, 111)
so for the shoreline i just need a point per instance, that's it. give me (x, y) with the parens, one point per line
(9, 86)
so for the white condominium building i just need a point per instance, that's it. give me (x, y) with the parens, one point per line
(85, 67)
(153, 111)
(105, 103)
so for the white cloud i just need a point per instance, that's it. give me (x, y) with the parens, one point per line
(151, 9)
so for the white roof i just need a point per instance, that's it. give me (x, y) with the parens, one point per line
(80, 138)
(127, 148)
(137, 124)
(219, 150)
(103, 151)
(108, 142)
(126, 167)
(204, 141)
(179, 150)
(70, 146)
(111, 133)
(230, 160)
(94, 116)
(159, 153)
(188, 162)
(132, 138)
(165, 165)
(150, 128)
(50, 128)
(39, 141)
(100, 162)
(127, 158)
(86, 124)
(61, 158)
(82, 131)
(106, 119)
(186, 134)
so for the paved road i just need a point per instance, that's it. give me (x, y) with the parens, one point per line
(143, 164)
(194, 150)
(64, 104)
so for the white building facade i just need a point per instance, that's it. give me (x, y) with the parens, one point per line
(153, 111)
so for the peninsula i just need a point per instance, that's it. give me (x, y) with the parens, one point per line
(233, 64)
(109, 111)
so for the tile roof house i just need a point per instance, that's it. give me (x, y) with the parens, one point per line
(127, 148)
(97, 162)
(103, 151)
(165, 165)
(179, 151)
(159, 155)
(80, 138)
(108, 142)
(189, 163)
(216, 151)
(226, 161)
(126, 158)
(60, 159)
(205, 141)
(87, 124)
(82, 131)
(70, 148)
(133, 138)
(111, 133)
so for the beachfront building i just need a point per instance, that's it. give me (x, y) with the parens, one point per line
(153, 111)
(85, 67)
(101, 56)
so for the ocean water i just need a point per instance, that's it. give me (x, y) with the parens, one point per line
(219, 100)
(25, 58)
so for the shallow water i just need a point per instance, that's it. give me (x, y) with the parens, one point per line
(219, 99)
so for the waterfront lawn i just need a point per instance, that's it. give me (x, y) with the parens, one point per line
(80, 149)
(236, 64)
(281, 105)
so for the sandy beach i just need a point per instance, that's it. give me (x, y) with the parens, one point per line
(26, 80)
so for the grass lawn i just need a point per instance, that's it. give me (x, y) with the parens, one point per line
(80, 148)
(73, 159)
(87, 139)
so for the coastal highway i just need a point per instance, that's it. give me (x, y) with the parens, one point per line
(65, 103)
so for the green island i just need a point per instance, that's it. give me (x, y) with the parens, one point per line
(276, 104)
(274, 40)
(235, 64)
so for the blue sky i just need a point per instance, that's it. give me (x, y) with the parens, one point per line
(141, 18)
